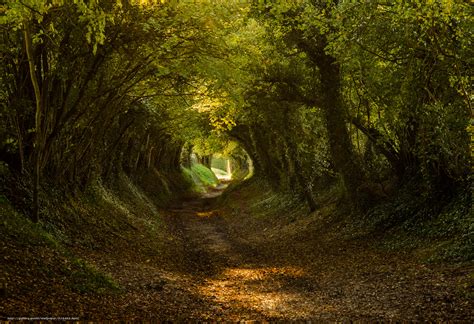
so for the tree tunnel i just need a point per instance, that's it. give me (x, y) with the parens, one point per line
(343, 129)
(152, 83)
(222, 156)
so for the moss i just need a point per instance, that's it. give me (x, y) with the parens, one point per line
(3, 200)
(85, 278)
(24, 231)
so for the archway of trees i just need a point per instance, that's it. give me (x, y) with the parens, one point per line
(353, 119)
(368, 95)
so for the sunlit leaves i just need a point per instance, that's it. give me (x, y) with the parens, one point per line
(16, 13)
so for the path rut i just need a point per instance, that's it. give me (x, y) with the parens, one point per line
(240, 282)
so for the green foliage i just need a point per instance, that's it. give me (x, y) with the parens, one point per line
(406, 115)
(399, 59)
(208, 145)
(85, 278)
(201, 176)
(121, 103)
(313, 92)
(219, 163)
(23, 230)
(443, 226)
(205, 175)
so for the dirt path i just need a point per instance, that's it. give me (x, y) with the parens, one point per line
(211, 265)
(241, 281)
(232, 275)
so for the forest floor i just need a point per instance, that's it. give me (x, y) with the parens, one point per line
(224, 264)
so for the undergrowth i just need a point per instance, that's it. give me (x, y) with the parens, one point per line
(433, 227)
(200, 177)
(23, 233)
(21, 229)
(85, 278)
(437, 227)
(118, 216)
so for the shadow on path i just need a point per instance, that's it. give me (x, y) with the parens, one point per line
(238, 281)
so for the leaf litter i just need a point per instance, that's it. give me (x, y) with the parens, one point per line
(216, 263)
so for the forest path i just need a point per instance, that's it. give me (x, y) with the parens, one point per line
(316, 278)
(213, 261)
(231, 275)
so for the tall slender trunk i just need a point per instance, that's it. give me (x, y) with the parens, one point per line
(38, 125)
(229, 167)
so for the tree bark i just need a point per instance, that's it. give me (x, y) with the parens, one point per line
(340, 144)
(38, 124)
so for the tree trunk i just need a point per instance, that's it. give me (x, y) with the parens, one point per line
(186, 152)
(229, 167)
(340, 144)
(38, 124)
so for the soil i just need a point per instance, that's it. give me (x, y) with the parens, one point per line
(218, 269)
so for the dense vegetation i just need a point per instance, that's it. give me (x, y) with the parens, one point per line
(366, 94)
(369, 101)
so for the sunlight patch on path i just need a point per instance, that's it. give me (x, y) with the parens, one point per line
(236, 284)
(265, 290)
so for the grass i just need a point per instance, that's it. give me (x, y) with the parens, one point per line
(43, 236)
(85, 278)
(206, 176)
(23, 230)
(200, 176)
(434, 229)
